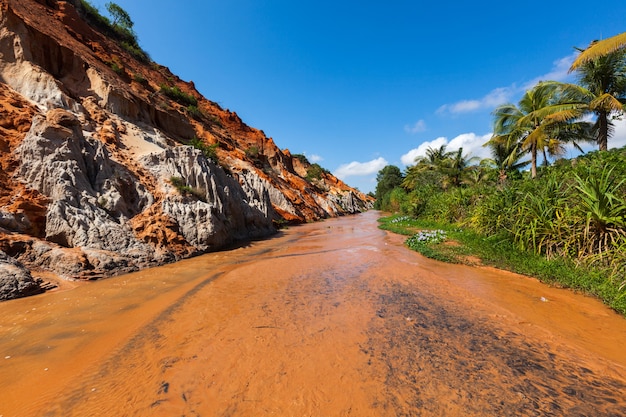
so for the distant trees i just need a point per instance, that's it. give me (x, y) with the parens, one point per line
(439, 166)
(387, 179)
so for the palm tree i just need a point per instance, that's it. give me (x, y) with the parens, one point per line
(454, 166)
(430, 162)
(603, 88)
(537, 122)
(506, 156)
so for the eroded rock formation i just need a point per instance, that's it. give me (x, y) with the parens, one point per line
(96, 173)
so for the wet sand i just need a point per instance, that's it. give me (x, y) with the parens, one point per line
(328, 319)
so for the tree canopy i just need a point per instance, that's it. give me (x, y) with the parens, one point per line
(120, 16)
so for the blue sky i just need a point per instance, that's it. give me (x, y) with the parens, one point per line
(357, 85)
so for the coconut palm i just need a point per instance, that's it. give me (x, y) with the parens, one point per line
(431, 161)
(506, 155)
(538, 122)
(603, 88)
(454, 166)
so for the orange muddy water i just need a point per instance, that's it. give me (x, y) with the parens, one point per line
(329, 319)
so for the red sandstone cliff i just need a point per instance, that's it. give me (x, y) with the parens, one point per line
(95, 175)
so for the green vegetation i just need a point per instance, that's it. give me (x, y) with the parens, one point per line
(195, 112)
(119, 70)
(388, 179)
(253, 152)
(185, 189)
(302, 158)
(315, 172)
(209, 151)
(563, 221)
(140, 79)
(465, 246)
(179, 96)
(119, 29)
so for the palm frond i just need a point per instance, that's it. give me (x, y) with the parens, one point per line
(606, 102)
(598, 49)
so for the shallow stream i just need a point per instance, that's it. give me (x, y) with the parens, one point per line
(335, 318)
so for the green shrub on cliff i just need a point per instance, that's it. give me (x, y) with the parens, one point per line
(120, 29)
(185, 189)
(209, 151)
(315, 172)
(179, 96)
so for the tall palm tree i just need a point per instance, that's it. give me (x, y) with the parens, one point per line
(603, 88)
(536, 123)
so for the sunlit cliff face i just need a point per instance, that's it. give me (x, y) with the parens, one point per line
(110, 164)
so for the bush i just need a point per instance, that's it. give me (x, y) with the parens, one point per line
(117, 68)
(315, 172)
(185, 189)
(252, 152)
(179, 96)
(302, 158)
(209, 151)
(140, 79)
(120, 30)
(195, 112)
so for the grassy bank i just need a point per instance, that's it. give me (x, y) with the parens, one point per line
(456, 245)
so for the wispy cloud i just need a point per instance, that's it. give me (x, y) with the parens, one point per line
(354, 169)
(471, 143)
(313, 157)
(559, 72)
(419, 126)
(501, 95)
(493, 99)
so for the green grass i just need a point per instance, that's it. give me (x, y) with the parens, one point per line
(501, 253)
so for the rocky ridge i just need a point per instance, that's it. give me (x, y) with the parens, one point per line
(97, 175)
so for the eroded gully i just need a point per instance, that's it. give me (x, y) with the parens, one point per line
(328, 319)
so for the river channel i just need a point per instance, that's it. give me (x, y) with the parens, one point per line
(335, 318)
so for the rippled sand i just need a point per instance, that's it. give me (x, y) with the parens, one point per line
(328, 319)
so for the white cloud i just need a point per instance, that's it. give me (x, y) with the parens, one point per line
(313, 157)
(618, 139)
(360, 168)
(493, 99)
(409, 157)
(419, 126)
(559, 72)
(471, 143)
(501, 95)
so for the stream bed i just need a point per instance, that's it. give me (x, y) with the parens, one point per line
(335, 318)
